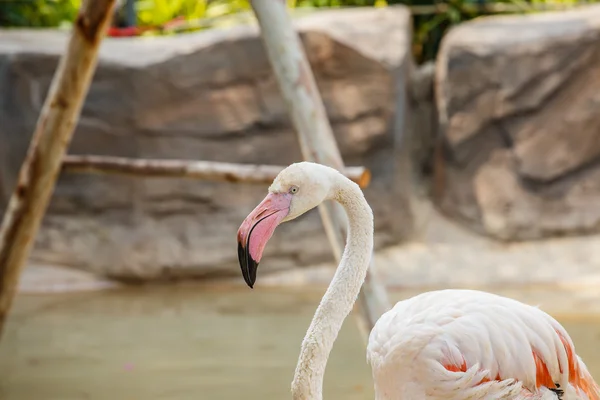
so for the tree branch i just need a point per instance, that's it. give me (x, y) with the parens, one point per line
(317, 142)
(48, 145)
(205, 170)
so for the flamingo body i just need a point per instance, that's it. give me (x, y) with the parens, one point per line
(440, 345)
(467, 344)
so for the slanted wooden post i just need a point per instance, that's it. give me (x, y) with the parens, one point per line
(317, 142)
(48, 145)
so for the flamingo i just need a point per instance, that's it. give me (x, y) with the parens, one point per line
(444, 344)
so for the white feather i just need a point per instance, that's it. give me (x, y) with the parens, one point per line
(411, 346)
(441, 345)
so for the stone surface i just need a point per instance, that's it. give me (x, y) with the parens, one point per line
(202, 96)
(520, 124)
(46, 279)
(444, 255)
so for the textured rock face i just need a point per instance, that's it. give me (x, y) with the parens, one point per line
(520, 124)
(203, 96)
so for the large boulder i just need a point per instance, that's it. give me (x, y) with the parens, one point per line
(204, 96)
(519, 101)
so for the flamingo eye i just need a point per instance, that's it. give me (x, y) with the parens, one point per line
(293, 190)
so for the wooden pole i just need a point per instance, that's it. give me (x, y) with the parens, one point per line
(204, 170)
(48, 145)
(299, 89)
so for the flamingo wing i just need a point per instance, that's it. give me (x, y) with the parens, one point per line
(467, 344)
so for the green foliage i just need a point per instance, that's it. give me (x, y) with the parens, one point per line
(330, 3)
(431, 18)
(158, 12)
(37, 13)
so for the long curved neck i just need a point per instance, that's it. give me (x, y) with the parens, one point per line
(340, 295)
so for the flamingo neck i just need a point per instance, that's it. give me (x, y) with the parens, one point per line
(341, 294)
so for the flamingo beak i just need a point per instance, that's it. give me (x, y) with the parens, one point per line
(257, 229)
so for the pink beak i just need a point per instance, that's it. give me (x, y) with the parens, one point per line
(257, 229)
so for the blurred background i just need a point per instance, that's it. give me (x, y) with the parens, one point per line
(477, 119)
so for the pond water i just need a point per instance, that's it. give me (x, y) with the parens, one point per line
(190, 342)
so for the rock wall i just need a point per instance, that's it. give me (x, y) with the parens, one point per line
(204, 96)
(519, 102)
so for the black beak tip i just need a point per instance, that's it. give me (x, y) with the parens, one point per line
(247, 265)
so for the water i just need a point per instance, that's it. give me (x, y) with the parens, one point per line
(181, 343)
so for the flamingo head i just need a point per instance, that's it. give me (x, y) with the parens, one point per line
(296, 190)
